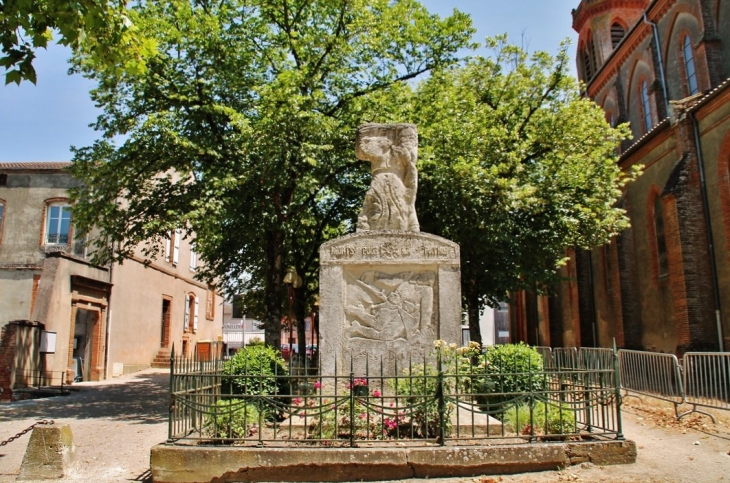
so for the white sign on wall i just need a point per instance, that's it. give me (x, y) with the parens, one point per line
(48, 342)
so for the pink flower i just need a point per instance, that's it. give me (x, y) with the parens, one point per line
(317, 385)
(362, 415)
(376, 393)
(297, 401)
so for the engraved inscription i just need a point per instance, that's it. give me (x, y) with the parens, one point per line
(437, 252)
(342, 252)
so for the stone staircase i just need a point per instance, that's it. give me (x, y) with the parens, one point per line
(162, 359)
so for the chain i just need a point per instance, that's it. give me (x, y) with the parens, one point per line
(13, 438)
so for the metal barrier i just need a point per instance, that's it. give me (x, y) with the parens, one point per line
(566, 358)
(595, 358)
(701, 379)
(652, 374)
(547, 356)
(706, 381)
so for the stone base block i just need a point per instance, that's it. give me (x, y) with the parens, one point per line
(198, 464)
(49, 455)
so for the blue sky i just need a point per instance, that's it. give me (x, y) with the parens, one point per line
(41, 122)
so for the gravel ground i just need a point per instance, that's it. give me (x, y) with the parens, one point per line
(115, 423)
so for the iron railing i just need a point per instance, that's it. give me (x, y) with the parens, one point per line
(39, 378)
(429, 401)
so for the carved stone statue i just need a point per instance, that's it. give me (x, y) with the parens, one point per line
(392, 150)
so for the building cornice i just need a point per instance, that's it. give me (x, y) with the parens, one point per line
(588, 9)
(645, 144)
(35, 167)
(169, 272)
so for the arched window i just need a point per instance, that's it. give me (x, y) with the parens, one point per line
(645, 107)
(617, 34)
(689, 66)
(590, 64)
(661, 245)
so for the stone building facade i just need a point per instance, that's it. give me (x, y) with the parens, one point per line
(664, 284)
(104, 320)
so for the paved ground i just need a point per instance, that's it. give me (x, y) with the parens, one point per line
(115, 423)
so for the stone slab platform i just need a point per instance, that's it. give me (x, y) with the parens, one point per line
(204, 464)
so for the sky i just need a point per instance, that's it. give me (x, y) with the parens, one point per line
(41, 122)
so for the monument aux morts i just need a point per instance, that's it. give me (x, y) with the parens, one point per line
(387, 291)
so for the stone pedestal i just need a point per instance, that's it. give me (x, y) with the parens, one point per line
(49, 455)
(386, 295)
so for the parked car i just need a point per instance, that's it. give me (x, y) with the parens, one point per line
(286, 351)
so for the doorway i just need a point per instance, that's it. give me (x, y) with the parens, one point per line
(165, 326)
(86, 324)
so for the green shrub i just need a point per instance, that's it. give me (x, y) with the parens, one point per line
(559, 419)
(257, 370)
(506, 372)
(232, 418)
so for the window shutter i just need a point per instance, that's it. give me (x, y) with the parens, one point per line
(167, 249)
(193, 259)
(176, 253)
(187, 312)
(195, 320)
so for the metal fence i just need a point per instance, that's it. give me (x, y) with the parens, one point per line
(437, 400)
(701, 379)
(39, 378)
(652, 374)
(706, 381)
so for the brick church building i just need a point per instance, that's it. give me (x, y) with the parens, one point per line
(663, 66)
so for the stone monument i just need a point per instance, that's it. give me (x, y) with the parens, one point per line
(387, 291)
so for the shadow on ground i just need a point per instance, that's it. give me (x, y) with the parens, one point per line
(142, 398)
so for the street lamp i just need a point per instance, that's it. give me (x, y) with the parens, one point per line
(293, 281)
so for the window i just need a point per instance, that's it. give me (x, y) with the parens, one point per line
(617, 34)
(191, 313)
(58, 224)
(661, 246)
(193, 259)
(646, 107)
(689, 66)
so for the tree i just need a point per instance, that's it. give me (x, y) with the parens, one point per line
(241, 131)
(515, 166)
(104, 29)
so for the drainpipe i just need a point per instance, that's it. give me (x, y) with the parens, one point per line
(710, 238)
(107, 336)
(655, 31)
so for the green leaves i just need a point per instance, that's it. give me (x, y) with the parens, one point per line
(241, 131)
(515, 166)
(105, 31)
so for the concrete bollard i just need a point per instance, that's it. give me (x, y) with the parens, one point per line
(49, 454)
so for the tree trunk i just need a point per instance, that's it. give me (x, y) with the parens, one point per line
(274, 287)
(472, 309)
